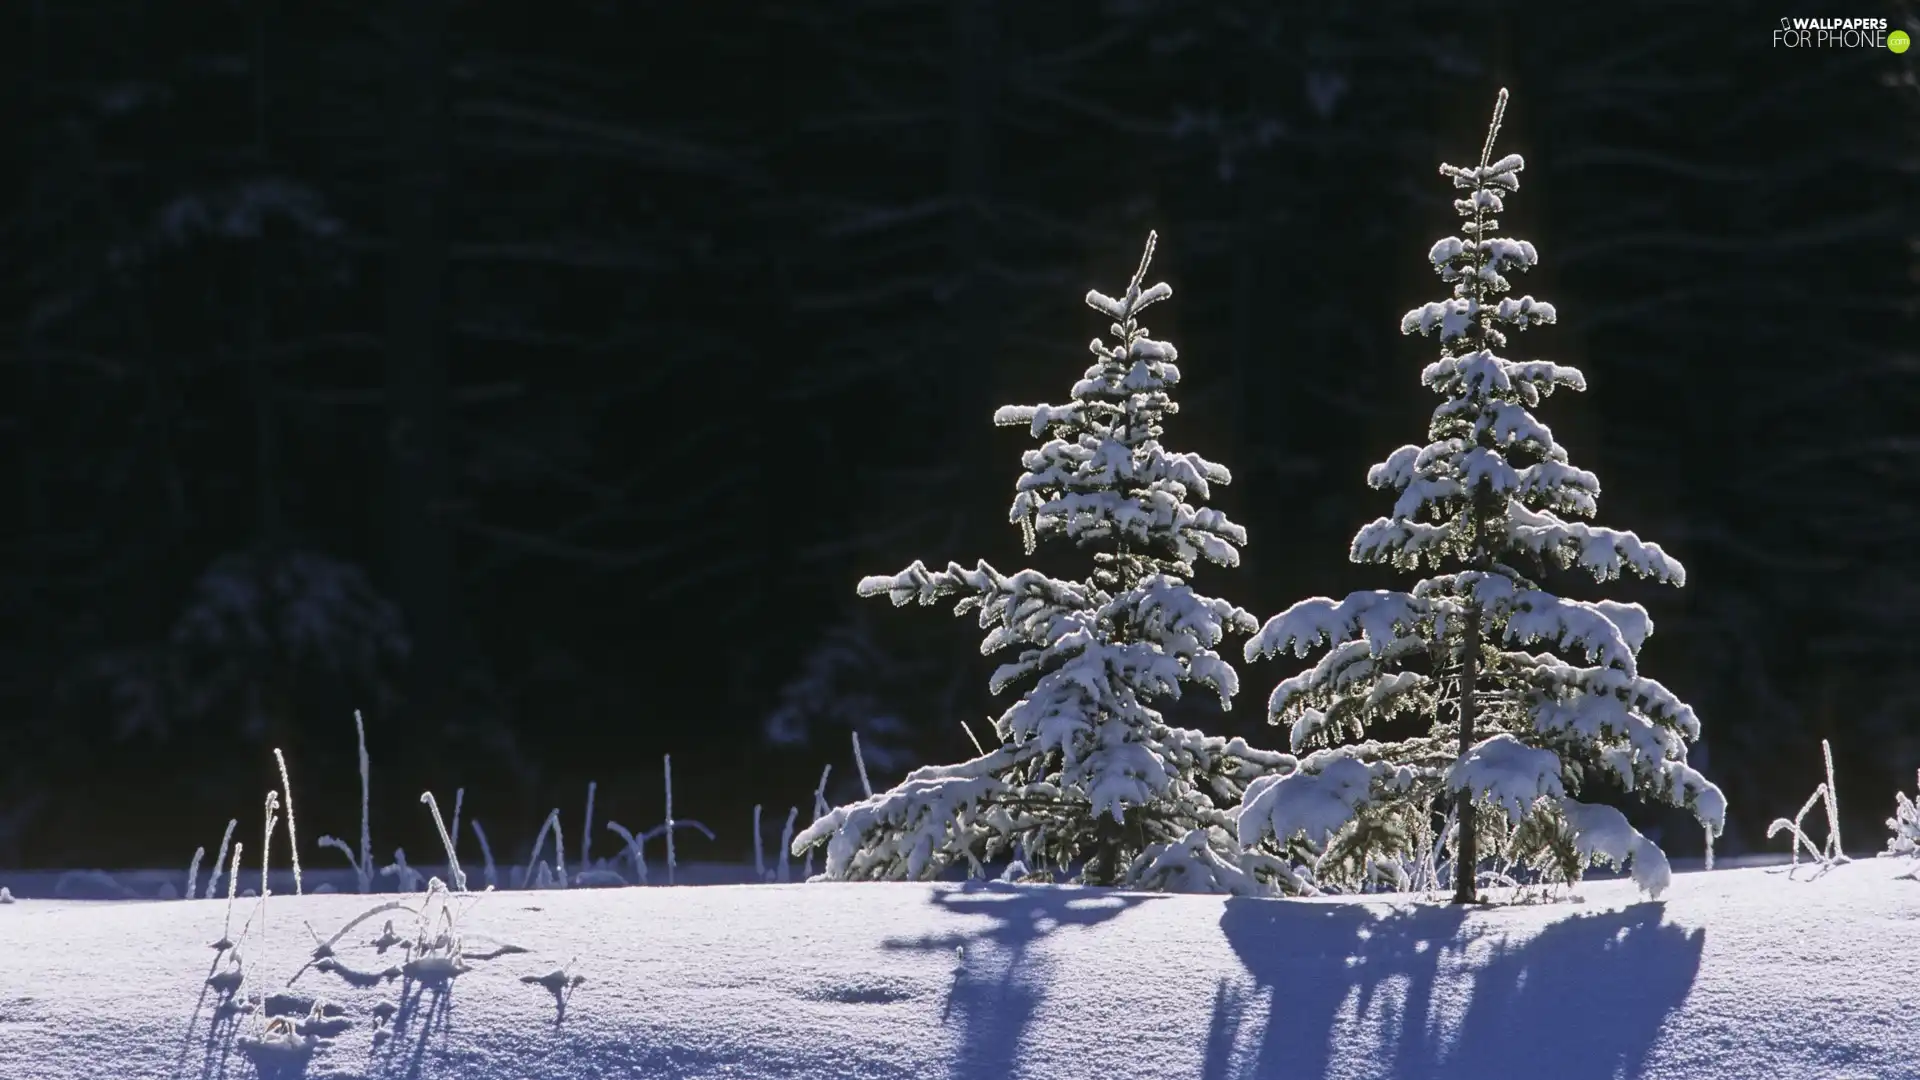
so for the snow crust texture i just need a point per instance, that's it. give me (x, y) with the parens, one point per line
(1736, 975)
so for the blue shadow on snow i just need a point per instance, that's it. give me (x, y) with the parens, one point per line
(1582, 999)
(996, 989)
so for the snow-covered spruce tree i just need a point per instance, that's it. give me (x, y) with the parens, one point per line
(1087, 771)
(1488, 504)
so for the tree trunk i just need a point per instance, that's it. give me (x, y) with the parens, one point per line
(419, 537)
(1105, 868)
(1468, 850)
(1479, 562)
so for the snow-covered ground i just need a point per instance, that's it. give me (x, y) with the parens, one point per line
(1734, 974)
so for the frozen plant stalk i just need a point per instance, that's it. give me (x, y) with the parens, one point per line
(539, 845)
(366, 833)
(1825, 856)
(786, 843)
(266, 853)
(293, 838)
(220, 860)
(1905, 828)
(974, 739)
(404, 876)
(1833, 804)
(453, 861)
(820, 809)
(860, 762)
(759, 861)
(233, 886)
(363, 867)
(486, 852)
(586, 830)
(633, 848)
(667, 761)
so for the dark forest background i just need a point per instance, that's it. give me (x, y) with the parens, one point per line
(540, 379)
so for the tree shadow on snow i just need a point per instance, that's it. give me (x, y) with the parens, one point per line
(1582, 999)
(996, 985)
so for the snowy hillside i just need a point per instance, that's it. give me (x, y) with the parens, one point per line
(1736, 974)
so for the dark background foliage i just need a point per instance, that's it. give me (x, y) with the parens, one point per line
(541, 379)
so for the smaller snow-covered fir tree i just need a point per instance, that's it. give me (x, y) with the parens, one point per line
(1087, 771)
(1487, 504)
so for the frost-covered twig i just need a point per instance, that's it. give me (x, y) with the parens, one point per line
(759, 859)
(453, 860)
(220, 860)
(327, 946)
(436, 954)
(266, 853)
(363, 868)
(486, 853)
(1904, 825)
(1826, 856)
(552, 824)
(677, 824)
(820, 804)
(974, 739)
(340, 845)
(1016, 870)
(459, 796)
(366, 824)
(1432, 871)
(667, 763)
(632, 848)
(233, 884)
(323, 957)
(1833, 804)
(820, 809)
(860, 762)
(293, 838)
(1799, 836)
(786, 842)
(405, 877)
(586, 829)
(193, 871)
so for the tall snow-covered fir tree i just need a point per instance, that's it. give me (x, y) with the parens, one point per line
(1488, 505)
(1087, 772)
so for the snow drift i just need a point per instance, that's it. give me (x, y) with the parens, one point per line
(1736, 974)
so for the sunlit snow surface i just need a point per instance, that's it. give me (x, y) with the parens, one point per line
(1737, 974)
